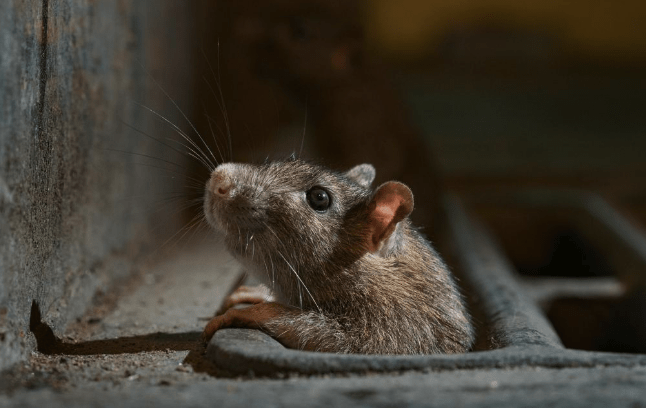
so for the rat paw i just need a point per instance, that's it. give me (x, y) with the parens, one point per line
(215, 324)
(246, 294)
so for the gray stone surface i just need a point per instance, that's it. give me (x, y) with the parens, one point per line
(248, 351)
(523, 387)
(176, 296)
(146, 352)
(75, 213)
(149, 335)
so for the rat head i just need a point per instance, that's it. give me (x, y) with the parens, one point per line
(303, 223)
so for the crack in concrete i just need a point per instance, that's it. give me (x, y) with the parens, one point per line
(43, 70)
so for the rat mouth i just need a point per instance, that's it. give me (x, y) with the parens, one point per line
(250, 222)
(231, 215)
(246, 244)
(234, 220)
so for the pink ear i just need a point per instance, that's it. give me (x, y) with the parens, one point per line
(392, 202)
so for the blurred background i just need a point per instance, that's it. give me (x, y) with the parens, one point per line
(528, 89)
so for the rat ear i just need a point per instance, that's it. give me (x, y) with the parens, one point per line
(363, 174)
(391, 203)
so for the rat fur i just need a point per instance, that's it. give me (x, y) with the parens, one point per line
(354, 278)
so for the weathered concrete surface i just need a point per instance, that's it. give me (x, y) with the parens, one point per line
(178, 295)
(145, 352)
(73, 214)
(526, 387)
(241, 351)
(149, 334)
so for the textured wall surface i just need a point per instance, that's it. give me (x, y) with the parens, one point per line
(78, 201)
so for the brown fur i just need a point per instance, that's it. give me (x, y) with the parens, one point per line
(334, 291)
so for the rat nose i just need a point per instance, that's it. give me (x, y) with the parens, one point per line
(221, 182)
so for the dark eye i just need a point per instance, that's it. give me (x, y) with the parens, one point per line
(318, 199)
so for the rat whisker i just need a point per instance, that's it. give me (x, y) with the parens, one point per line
(194, 220)
(248, 143)
(145, 155)
(164, 203)
(223, 106)
(196, 223)
(300, 153)
(199, 225)
(193, 153)
(300, 280)
(205, 226)
(198, 183)
(185, 206)
(264, 261)
(141, 132)
(217, 145)
(181, 112)
(180, 132)
(273, 273)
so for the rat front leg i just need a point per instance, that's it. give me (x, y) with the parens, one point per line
(291, 326)
(247, 294)
(271, 317)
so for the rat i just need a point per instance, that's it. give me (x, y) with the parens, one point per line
(343, 269)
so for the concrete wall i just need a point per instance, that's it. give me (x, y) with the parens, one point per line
(75, 214)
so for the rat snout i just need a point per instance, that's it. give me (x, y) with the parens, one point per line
(230, 203)
(221, 183)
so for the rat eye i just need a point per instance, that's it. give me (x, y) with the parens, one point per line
(318, 199)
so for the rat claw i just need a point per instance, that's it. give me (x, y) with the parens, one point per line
(246, 295)
(205, 338)
(217, 323)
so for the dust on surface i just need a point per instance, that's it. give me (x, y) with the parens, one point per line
(147, 331)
